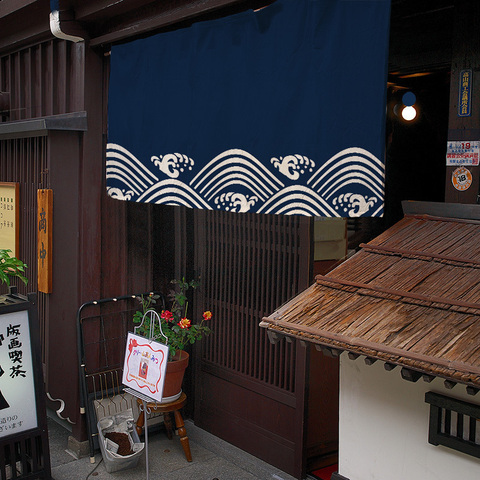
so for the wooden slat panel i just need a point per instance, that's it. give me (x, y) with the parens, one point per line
(25, 161)
(43, 80)
(251, 266)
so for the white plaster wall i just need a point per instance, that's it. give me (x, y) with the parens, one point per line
(383, 427)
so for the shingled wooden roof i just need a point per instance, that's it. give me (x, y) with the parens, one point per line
(410, 297)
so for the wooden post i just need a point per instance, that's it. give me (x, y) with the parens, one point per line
(462, 179)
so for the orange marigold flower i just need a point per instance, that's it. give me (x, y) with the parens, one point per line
(167, 315)
(207, 315)
(184, 323)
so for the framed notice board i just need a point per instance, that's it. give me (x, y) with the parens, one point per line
(9, 216)
(24, 448)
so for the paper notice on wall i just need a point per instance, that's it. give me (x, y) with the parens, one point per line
(144, 366)
(463, 153)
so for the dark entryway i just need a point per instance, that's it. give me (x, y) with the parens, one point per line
(248, 391)
(415, 150)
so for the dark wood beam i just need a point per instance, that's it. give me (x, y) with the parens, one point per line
(464, 127)
(154, 17)
(33, 18)
(7, 7)
(410, 375)
(449, 384)
(472, 390)
(428, 378)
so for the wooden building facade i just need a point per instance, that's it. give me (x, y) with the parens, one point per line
(53, 104)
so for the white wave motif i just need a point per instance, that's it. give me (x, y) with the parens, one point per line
(352, 155)
(240, 177)
(292, 166)
(119, 194)
(235, 202)
(173, 164)
(354, 205)
(232, 167)
(173, 192)
(351, 183)
(350, 166)
(296, 199)
(123, 166)
(350, 176)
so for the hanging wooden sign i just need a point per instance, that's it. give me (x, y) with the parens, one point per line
(45, 239)
(9, 216)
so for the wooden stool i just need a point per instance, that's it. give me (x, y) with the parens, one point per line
(166, 409)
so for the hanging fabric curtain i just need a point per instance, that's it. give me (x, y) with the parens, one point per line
(278, 111)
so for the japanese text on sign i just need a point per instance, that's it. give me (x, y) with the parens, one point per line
(17, 390)
(462, 179)
(145, 365)
(45, 240)
(8, 216)
(463, 153)
(464, 93)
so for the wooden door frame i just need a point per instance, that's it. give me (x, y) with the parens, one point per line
(299, 399)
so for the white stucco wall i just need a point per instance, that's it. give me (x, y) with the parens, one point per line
(384, 427)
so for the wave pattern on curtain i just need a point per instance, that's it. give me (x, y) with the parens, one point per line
(278, 111)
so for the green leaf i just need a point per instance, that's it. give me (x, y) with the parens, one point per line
(11, 267)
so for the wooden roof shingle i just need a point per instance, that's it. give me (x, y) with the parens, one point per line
(410, 297)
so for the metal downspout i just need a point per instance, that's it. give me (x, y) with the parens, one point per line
(55, 24)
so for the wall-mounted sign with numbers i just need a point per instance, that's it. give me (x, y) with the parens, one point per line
(9, 216)
(463, 153)
(462, 178)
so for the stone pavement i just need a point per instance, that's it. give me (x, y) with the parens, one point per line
(213, 459)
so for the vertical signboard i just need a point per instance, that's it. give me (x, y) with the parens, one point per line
(17, 391)
(44, 239)
(24, 448)
(465, 93)
(9, 217)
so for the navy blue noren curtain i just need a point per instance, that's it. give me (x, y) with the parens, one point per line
(277, 111)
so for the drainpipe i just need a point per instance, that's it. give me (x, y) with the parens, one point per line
(63, 25)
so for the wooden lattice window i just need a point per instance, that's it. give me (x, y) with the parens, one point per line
(454, 424)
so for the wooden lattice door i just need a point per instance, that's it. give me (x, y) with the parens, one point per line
(248, 391)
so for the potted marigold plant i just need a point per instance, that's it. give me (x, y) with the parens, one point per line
(176, 330)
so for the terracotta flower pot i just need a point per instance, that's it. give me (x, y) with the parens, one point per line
(174, 376)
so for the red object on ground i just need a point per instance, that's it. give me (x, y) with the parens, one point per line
(326, 472)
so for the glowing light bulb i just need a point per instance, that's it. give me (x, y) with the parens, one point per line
(409, 113)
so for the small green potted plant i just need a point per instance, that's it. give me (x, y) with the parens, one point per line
(11, 266)
(177, 331)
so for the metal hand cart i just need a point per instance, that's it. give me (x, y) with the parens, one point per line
(102, 328)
